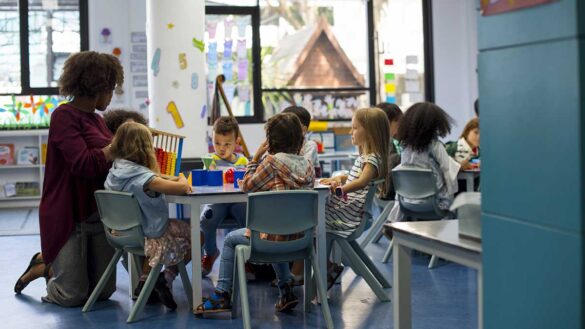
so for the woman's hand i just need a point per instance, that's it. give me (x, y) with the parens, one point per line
(260, 151)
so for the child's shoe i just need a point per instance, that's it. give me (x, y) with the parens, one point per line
(287, 300)
(207, 263)
(217, 302)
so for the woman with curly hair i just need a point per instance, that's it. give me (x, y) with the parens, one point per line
(75, 252)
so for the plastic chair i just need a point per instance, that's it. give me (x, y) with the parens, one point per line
(375, 231)
(416, 191)
(262, 216)
(354, 255)
(119, 211)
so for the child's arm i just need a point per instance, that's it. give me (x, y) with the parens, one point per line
(161, 185)
(368, 174)
(449, 167)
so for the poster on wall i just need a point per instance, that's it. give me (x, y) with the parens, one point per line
(492, 7)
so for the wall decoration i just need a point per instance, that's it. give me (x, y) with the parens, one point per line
(182, 61)
(154, 65)
(199, 44)
(27, 112)
(170, 26)
(174, 112)
(211, 28)
(105, 36)
(194, 81)
(175, 84)
(203, 112)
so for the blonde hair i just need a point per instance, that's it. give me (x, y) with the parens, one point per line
(133, 142)
(377, 129)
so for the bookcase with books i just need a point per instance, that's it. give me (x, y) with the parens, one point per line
(22, 167)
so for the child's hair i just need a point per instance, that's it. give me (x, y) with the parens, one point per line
(284, 133)
(133, 142)
(377, 128)
(226, 125)
(471, 124)
(393, 111)
(89, 73)
(115, 118)
(422, 123)
(301, 112)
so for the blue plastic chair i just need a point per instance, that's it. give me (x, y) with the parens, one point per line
(353, 254)
(416, 192)
(119, 211)
(265, 214)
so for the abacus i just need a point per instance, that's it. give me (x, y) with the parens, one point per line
(168, 149)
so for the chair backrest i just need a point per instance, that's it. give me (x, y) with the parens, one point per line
(416, 190)
(120, 212)
(281, 213)
(367, 214)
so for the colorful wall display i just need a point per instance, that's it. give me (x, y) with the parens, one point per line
(27, 112)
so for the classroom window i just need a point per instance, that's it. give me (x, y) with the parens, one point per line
(36, 36)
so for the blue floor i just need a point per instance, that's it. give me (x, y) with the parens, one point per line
(445, 297)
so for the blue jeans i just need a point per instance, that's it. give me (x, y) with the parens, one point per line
(225, 281)
(213, 215)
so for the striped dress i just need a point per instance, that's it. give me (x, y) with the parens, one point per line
(343, 217)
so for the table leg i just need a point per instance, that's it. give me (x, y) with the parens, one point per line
(401, 288)
(322, 236)
(480, 299)
(469, 181)
(195, 252)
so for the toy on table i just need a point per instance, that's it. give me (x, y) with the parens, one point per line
(168, 149)
(229, 176)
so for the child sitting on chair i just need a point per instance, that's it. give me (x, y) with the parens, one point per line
(135, 170)
(309, 149)
(225, 140)
(280, 169)
(467, 147)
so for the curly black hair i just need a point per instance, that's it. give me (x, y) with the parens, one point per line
(422, 123)
(115, 118)
(301, 113)
(89, 74)
(284, 134)
(393, 111)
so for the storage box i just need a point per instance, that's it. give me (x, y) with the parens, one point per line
(467, 205)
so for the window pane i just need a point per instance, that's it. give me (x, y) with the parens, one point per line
(314, 43)
(401, 45)
(323, 105)
(228, 43)
(9, 47)
(54, 34)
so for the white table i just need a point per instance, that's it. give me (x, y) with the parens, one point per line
(469, 176)
(228, 194)
(440, 238)
(336, 156)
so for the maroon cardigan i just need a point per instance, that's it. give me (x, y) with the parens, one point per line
(75, 168)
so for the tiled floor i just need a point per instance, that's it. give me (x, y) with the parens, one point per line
(445, 297)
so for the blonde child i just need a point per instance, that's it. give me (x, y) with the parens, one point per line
(370, 132)
(280, 169)
(419, 133)
(225, 140)
(135, 170)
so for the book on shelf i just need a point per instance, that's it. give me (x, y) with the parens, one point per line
(6, 154)
(27, 188)
(28, 155)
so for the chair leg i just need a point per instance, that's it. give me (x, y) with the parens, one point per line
(433, 262)
(235, 291)
(370, 265)
(308, 286)
(186, 282)
(241, 260)
(377, 237)
(388, 253)
(322, 291)
(135, 272)
(103, 280)
(376, 228)
(145, 293)
(358, 264)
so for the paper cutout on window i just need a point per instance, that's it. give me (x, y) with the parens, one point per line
(229, 90)
(389, 61)
(211, 28)
(242, 23)
(390, 88)
(228, 70)
(391, 99)
(242, 50)
(154, 65)
(411, 74)
(194, 81)
(199, 44)
(227, 49)
(389, 76)
(182, 61)
(212, 72)
(243, 69)
(203, 112)
(174, 112)
(228, 25)
(244, 93)
(212, 53)
(411, 86)
(412, 59)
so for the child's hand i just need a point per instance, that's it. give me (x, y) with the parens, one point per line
(183, 180)
(261, 150)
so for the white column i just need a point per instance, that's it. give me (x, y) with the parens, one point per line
(176, 70)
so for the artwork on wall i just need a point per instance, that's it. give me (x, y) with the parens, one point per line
(27, 112)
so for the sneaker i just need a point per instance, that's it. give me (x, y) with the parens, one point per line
(163, 292)
(152, 299)
(287, 300)
(207, 263)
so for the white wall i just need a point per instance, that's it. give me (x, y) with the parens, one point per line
(455, 59)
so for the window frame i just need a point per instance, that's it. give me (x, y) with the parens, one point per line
(25, 87)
